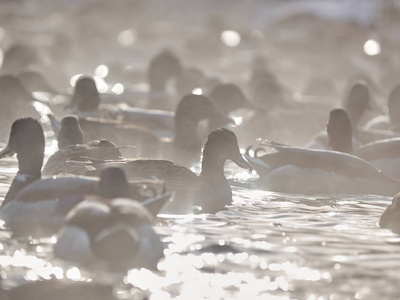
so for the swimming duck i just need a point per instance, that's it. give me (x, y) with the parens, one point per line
(390, 219)
(70, 144)
(35, 206)
(16, 103)
(117, 232)
(310, 171)
(210, 190)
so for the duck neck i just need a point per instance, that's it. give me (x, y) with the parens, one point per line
(212, 164)
(186, 132)
(30, 166)
(343, 142)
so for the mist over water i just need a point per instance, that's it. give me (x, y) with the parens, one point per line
(266, 245)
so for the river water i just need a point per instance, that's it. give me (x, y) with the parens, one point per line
(264, 246)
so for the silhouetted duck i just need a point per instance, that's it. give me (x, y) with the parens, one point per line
(116, 232)
(390, 219)
(309, 171)
(210, 190)
(38, 207)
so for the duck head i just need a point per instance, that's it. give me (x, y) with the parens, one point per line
(220, 146)
(194, 108)
(70, 132)
(340, 131)
(163, 66)
(357, 101)
(27, 141)
(113, 183)
(86, 96)
(228, 97)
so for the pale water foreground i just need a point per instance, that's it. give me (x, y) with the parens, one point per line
(265, 246)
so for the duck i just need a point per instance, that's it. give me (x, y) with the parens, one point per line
(208, 192)
(390, 218)
(70, 144)
(312, 171)
(16, 102)
(37, 206)
(117, 233)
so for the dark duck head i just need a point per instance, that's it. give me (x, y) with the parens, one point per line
(190, 111)
(27, 141)
(357, 101)
(162, 67)
(221, 145)
(86, 96)
(340, 131)
(70, 132)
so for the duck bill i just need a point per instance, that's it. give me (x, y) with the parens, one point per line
(241, 162)
(7, 151)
